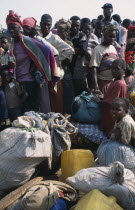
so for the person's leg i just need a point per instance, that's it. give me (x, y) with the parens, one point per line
(80, 85)
(3, 106)
(45, 106)
(32, 101)
(68, 93)
(14, 113)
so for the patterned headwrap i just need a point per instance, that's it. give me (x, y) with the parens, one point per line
(109, 28)
(13, 18)
(30, 21)
(66, 24)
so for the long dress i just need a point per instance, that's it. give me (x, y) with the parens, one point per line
(101, 58)
(116, 89)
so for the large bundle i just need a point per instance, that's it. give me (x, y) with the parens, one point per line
(22, 148)
(85, 110)
(111, 151)
(57, 126)
(112, 181)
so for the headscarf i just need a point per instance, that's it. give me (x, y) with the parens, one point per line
(131, 28)
(66, 24)
(30, 21)
(109, 28)
(13, 18)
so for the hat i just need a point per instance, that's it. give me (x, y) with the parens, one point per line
(107, 5)
(30, 21)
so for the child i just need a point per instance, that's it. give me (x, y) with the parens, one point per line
(117, 88)
(124, 129)
(128, 75)
(3, 107)
(13, 92)
(91, 42)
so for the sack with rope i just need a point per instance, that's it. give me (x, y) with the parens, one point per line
(114, 180)
(58, 127)
(22, 148)
(44, 195)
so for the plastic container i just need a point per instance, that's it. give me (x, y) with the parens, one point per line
(132, 97)
(74, 160)
(95, 200)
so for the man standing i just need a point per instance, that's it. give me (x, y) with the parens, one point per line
(122, 37)
(78, 39)
(65, 51)
(107, 12)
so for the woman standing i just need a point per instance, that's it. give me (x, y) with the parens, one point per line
(67, 81)
(29, 55)
(102, 57)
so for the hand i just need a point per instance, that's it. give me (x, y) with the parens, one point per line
(11, 64)
(96, 99)
(98, 93)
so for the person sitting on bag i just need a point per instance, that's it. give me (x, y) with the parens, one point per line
(116, 89)
(124, 129)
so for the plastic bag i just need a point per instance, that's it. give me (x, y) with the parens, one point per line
(111, 151)
(112, 181)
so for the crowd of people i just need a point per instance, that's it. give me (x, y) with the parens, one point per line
(45, 69)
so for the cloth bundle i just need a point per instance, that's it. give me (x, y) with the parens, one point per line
(57, 126)
(85, 110)
(111, 151)
(112, 181)
(44, 195)
(22, 148)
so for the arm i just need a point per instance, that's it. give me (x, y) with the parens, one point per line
(123, 36)
(20, 92)
(64, 49)
(94, 77)
(41, 39)
(94, 64)
(126, 133)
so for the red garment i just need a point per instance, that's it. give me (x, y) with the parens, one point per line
(129, 57)
(56, 99)
(103, 85)
(13, 18)
(131, 28)
(115, 90)
(30, 21)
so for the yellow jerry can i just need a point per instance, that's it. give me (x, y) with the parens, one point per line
(132, 97)
(74, 160)
(95, 200)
